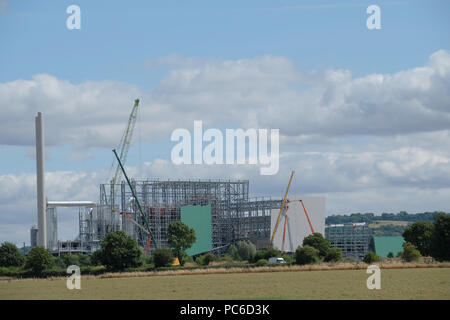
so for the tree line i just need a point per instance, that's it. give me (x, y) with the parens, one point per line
(120, 252)
(371, 217)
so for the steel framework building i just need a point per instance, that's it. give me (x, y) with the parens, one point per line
(352, 238)
(234, 216)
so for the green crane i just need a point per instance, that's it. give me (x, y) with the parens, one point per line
(147, 226)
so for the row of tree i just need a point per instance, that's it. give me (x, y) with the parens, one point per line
(118, 252)
(371, 217)
(431, 238)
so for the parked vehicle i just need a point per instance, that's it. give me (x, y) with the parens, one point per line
(276, 260)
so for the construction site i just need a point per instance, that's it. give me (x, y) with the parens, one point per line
(220, 211)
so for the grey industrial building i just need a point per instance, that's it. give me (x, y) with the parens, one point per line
(352, 238)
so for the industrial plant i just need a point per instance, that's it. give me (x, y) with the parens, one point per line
(220, 211)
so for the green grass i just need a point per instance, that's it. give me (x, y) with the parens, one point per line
(421, 283)
(379, 223)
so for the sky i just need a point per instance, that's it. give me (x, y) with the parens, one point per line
(363, 115)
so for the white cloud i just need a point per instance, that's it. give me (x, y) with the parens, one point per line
(267, 92)
(375, 143)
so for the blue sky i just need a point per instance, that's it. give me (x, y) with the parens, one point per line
(300, 57)
(118, 40)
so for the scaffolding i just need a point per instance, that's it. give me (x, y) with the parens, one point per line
(352, 238)
(234, 216)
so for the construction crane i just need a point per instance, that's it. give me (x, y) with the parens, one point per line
(285, 211)
(124, 146)
(281, 209)
(147, 225)
(307, 216)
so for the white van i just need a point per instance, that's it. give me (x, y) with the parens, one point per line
(276, 260)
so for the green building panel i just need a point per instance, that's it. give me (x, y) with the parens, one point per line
(384, 245)
(198, 218)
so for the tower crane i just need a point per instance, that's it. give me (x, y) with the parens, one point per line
(283, 211)
(146, 229)
(124, 147)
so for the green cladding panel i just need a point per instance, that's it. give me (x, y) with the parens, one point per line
(199, 218)
(384, 245)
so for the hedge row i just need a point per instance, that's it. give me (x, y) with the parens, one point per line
(17, 272)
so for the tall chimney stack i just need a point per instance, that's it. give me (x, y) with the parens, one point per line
(41, 205)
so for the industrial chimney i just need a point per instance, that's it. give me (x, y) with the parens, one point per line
(41, 204)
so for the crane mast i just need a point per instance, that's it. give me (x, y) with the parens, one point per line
(124, 146)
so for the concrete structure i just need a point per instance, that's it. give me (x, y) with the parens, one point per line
(51, 221)
(41, 206)
(297, 226)
(33, 236)
(352, 238)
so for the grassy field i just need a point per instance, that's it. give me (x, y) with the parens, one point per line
(379, 223)
(421, 283)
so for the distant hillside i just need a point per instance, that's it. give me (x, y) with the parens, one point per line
(387, 224)
(371, 218)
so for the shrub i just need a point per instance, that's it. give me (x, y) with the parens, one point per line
(271, 252)
(119, 251)
(410, 253)
(209, 257)
(205, 259)
(66, 260)
(333, 255)
(260, 254)
(233, 252)
(350, 259)
(316, 240)
(188, 258)
(162, 257)
(246, 250)
(10, 256)
(84, 260)
(371, 257)
(306, 255)
(226, 257)
(267, 254)
(288, 258)
(96, 258)
(390, 255)
(149, 260)
(262, 262)
(38, 260)
(58, 262)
